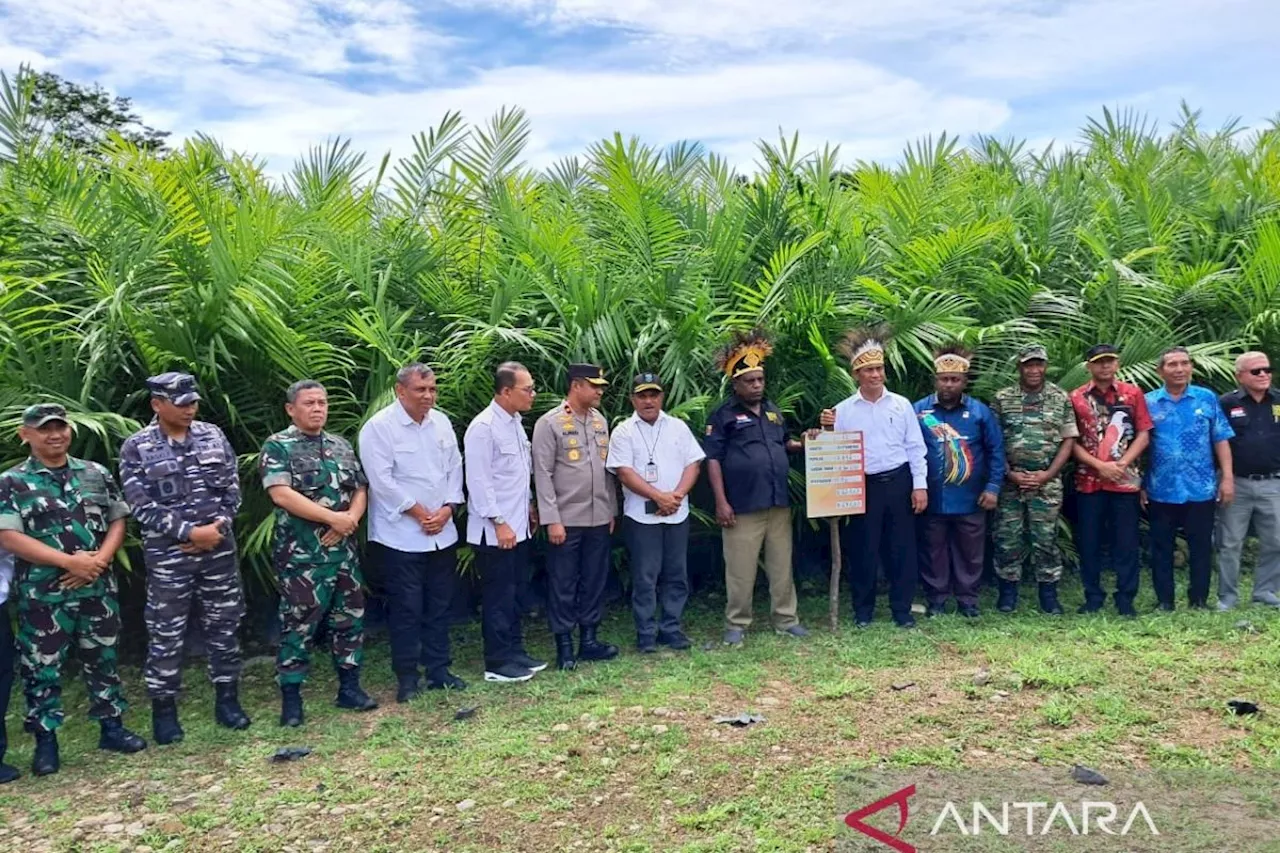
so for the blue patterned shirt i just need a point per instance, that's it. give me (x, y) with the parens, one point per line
(965, 452)
(1181, 466)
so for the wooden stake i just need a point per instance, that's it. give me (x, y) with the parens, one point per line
(835, 573)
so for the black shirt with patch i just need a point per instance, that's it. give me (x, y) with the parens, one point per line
(752, 452)
(1255, 450)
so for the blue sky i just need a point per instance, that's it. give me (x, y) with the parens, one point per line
(274, 77)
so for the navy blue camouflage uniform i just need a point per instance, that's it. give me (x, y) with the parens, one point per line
(172, 488)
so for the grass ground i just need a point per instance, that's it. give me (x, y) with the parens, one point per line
(624, 756)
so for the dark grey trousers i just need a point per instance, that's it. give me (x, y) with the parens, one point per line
(659, 574)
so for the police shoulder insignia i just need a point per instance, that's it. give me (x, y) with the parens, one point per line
(772, 416)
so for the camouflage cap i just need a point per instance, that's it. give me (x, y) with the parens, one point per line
(41, 413)
(177, 388)
(1032, 352)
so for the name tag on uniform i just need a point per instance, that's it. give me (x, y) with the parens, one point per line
(743, 419)
(651, 473)
(1237, 412)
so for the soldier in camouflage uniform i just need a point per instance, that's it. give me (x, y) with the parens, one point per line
(64, 519)
(1039, 434)
(320, 493)
(179, 476)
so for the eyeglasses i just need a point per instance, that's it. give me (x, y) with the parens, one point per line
(1260, 371)
(528, 389)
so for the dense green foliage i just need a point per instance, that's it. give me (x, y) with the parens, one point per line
(119, 263)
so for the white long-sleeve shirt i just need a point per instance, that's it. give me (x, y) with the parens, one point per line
(891, 434)
(410, 463)
(499, 466)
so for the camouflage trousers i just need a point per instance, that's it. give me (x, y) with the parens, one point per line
(49, 623)
(173, 579)
(1027, 526)
(315, 594)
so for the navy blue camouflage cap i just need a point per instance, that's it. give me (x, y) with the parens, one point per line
(177, 388)
(41, 413)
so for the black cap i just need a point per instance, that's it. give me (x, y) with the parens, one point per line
(1100, 351)
(646, 382)
(593, 373)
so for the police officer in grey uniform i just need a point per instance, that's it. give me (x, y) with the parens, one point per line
(577, 501)
(179, 476)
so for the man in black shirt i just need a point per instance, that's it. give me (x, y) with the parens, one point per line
(1254, 413)
(747, 447)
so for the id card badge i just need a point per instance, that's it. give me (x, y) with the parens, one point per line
(651, 473)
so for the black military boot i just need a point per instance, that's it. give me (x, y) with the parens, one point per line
(589, 648)
(1049, 598)
(1007, 602)
(45, 760)
(350, 694)
(7, 771)
(116, 738)
(564, 652)
(227, 710)
(164, 721)
(291, 714)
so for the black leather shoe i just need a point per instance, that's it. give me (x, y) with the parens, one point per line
(1165, 606)
(969, 611)
(1007, 601)
(226, 709)
(445, 680)
(8, 772)
(351, 695)
(291, 714)
(644, 645)
(565, 658)
(45, 761)
(936, 610)
(907, 621)
(676, 641)
(116, 738)
(590, 648)
(1126, 609)
(1089, 607)
(164, 721)
(408, 687)
(1049, 598)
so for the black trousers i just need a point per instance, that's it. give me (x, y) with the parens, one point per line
(659, 574)
(500, 575)
(1109, 518)
(884, 534)
(1196, 521)
(6, 673)
(420, 587)
(577, 572)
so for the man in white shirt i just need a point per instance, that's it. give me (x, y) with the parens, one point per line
(500, 519)
(7, 772)
(658, 460)
(410, 456)
(896, 484)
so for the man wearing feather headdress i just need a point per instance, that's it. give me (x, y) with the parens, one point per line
(747, 446)
(896, 482)
(966, 467)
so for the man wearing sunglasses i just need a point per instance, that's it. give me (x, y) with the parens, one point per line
(1253, 410)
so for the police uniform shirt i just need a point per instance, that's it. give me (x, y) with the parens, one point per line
(410, 463)
(1255, 451)
(752, 452)
(571, 482)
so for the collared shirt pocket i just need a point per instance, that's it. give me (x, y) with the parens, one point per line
(306, 473)
(218, 471)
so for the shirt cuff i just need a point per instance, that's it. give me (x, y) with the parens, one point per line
(919, 483)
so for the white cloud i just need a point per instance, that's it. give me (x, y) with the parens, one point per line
(273, 77)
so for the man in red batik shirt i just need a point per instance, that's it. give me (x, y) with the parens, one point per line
(1114, 431)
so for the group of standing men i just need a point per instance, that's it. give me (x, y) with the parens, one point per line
(934, 472)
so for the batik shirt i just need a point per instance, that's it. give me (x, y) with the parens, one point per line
(1181, 468)
(1109, 421)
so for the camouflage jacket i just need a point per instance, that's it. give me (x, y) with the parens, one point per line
(323, 469)
(1034, 425)
(175, 486)
(69, 510)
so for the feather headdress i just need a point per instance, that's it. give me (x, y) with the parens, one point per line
(952, 359)
(865, 347)
(744, 353)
